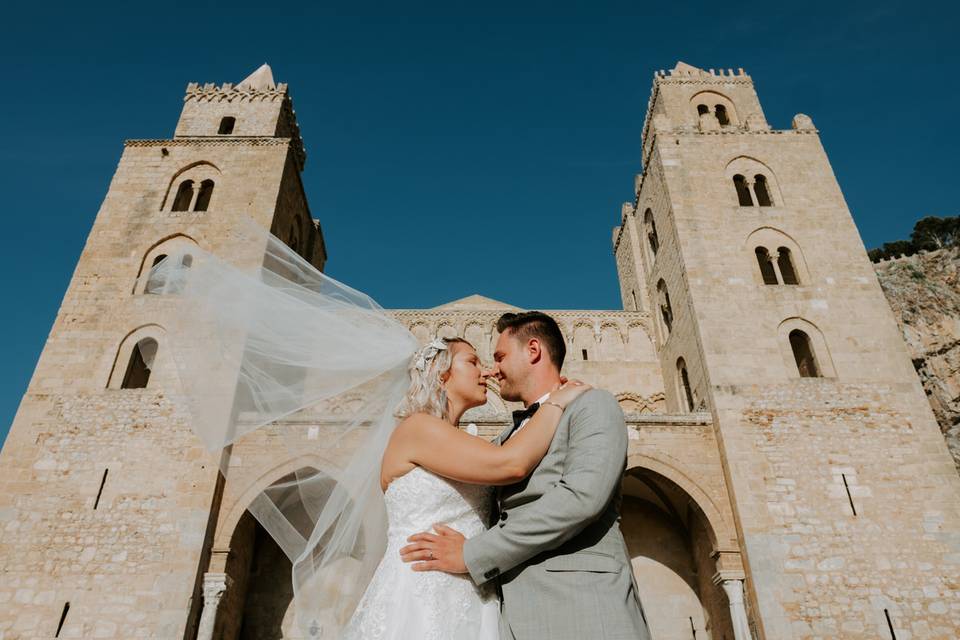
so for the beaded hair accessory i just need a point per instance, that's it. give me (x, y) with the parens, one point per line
(429, 352)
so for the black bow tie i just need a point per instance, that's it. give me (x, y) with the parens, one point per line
(522, 414)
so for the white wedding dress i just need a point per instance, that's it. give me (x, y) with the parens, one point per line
(404, 604)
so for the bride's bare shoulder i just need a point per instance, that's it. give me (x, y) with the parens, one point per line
(420, 425)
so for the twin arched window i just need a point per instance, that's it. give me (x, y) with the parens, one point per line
(191, 197)
(746, 190)
(777, 269)
(719, 111)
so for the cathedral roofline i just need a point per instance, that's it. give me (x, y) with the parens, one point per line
(476, 301)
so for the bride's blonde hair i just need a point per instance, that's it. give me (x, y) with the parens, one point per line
(427, 366)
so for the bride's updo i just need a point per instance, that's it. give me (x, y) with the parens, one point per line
(427, 366)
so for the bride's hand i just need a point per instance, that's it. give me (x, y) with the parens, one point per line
(568, 392)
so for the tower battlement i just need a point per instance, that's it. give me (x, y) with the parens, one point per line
(685, 71)
(255, 107)
(211, 92)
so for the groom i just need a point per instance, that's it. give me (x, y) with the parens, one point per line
(555, 552)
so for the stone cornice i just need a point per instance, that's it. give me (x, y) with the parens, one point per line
(209, 141)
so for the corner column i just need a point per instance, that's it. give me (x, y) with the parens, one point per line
(214, 586)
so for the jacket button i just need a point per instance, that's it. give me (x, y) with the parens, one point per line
(503, 515)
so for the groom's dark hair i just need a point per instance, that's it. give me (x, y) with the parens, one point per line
(536, 324)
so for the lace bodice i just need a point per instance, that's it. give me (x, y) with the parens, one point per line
(419, 498)
(401, 603)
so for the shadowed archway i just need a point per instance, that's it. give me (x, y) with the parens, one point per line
(671, 544)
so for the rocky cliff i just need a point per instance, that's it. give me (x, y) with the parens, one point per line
(924, 293)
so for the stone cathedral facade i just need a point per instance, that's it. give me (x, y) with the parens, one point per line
(786, 478)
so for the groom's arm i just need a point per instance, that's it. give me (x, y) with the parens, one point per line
(593, 467)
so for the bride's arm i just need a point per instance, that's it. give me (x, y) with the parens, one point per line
(434, 445)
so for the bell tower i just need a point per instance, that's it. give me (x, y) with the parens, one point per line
(769, 315)
(107, 499)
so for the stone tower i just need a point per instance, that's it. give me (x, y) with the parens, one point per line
(768, 314)
(107, 499)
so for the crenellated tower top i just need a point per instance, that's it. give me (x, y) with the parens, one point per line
(690, 99)
(256, 107)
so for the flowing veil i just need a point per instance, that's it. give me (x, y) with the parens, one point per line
(277, 352)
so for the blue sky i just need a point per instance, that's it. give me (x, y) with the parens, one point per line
(455, 148)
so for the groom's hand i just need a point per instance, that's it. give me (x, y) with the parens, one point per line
(440, 552)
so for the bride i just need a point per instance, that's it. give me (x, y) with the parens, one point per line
(432, 473)
(269, 349)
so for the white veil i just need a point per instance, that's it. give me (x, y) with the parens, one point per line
(279, 352)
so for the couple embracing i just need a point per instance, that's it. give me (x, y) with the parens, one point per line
(518, 538)
(428, 532)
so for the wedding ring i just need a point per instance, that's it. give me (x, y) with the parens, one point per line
(431, 554)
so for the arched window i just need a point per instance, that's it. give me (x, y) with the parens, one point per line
(203, 198)
(722, 116)
(666, 313)
(181, 202)
(743, 191)
(141, 360)
(226, 125)
(652, 237)
(760, 188)
(803, 354)
(785, 262)
(766, 266)
(684, 379)
(702, 109)
(155, 282)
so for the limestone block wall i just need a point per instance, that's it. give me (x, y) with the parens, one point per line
(105, 499)
(816, 570)
(131, 566)
(848, 512)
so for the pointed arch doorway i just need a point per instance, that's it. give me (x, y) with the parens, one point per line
(671, 543)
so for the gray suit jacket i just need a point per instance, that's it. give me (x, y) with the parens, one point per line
(555, 549)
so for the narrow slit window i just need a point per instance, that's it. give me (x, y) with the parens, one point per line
(893, 634)
(666, 312)
(226, 125)
(63, 618)
(743, 191)
(766, 266)
(803, 354)
(103, 481)
(583, 352)
(785, 262)
(685, 384)
(762, 190)
(652, 238)
(846, 487)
